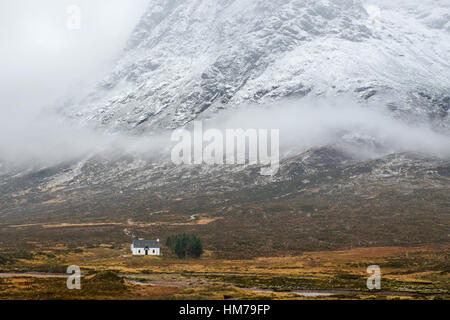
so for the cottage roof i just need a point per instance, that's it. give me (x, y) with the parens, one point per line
(146, 244)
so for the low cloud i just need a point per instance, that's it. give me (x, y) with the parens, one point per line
(365, 130)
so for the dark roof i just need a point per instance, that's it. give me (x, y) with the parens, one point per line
(146, 243)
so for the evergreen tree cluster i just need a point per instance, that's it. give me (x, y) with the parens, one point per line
(185, 246)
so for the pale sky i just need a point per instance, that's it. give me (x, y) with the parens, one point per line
(41, 58)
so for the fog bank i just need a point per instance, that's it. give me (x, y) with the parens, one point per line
(365, 130)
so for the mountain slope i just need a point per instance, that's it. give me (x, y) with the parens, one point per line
(189, 59)
(321, 199)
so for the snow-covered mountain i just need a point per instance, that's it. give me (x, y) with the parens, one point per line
(197, 58)
(192, 58)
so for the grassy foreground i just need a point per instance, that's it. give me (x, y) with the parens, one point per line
(110, 272)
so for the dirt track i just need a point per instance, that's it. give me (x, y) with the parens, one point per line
(32, 275)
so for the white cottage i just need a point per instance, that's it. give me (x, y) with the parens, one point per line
(146, 248)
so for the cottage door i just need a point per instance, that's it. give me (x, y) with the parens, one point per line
(146, 251)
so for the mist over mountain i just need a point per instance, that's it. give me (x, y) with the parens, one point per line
(369, 77)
